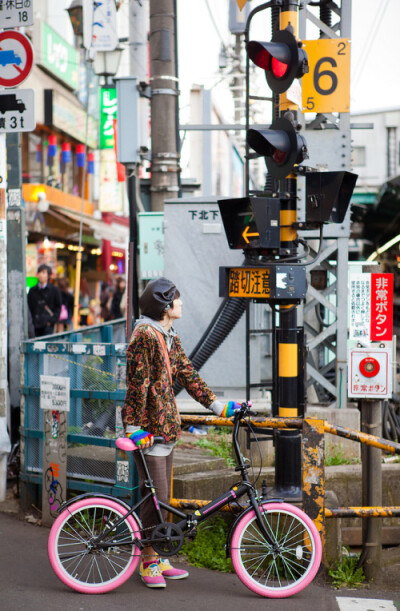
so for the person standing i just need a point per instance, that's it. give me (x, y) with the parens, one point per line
(117, 306)
(155, 360)
(44, 301)
(67, 307)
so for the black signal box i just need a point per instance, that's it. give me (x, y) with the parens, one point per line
(251, 222)
(328, 195)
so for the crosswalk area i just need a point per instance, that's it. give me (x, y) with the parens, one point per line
(366, 604)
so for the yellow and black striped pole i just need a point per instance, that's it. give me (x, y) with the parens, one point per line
(289, 337)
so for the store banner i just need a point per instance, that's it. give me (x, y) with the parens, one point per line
(57, 55)
(111, 191)
(108, 113)
(63, 114)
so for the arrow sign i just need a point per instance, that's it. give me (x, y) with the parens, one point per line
(246, 235)
(16, 58)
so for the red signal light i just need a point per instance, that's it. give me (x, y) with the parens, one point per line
(278, 68)
(281, 59)
(279, 156)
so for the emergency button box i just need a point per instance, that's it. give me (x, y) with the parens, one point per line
(370, 371)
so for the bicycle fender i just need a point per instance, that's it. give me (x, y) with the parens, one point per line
(232, 529)
(102, 496)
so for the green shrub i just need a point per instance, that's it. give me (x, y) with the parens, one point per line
(208, 548)
(335, 456)
(219, 443)
(346, 573)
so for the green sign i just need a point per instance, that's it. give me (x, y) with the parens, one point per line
(108, 112)
(59, 57)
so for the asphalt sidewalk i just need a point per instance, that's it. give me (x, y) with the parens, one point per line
(27, 582)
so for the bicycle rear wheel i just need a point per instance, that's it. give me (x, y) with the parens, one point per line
(288, 569)
(78, 561)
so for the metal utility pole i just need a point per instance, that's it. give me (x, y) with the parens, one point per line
(164, 103)
(16, 275)
(371, 423)
(4, 440)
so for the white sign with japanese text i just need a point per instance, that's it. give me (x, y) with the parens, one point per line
(360, 310)
(18, 13)
(17, 111)
(100, 25)
(371, 307)
(54, 393)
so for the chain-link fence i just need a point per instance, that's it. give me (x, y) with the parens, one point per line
(94, 361)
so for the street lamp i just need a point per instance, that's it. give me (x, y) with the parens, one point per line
(106, 63)
(75, 12)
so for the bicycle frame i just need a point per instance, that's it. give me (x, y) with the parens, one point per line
(190, 521)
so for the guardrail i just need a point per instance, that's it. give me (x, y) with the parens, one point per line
(313, 454)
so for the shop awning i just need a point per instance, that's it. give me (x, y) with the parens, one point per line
(117, 234)
(62, 223)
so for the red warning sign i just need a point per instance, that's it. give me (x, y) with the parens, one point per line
(16, 58)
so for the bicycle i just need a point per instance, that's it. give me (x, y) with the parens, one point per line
(96, 541)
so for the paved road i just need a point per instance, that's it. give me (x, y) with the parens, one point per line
(27, 583)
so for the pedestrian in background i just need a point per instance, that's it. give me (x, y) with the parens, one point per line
(44, 301)
(118, 301)
(67, 306)
(84, 302)
(105, 302)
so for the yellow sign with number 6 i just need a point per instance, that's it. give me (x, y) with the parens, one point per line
(326, 87)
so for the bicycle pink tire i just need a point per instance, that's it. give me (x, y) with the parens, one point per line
(56, 563)
(282, 591)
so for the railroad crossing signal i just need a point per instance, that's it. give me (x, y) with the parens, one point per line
(281, 146)
(282, 59)
(326, 88)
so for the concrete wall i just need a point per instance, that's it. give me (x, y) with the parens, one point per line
(195, 248)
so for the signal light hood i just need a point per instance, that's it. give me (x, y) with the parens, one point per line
(281, 145)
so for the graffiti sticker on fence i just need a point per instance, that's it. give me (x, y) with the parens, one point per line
(54, 393)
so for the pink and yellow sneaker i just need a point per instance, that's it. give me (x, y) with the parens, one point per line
(151, 575)
(170, 572)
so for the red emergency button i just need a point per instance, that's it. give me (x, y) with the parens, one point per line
(369, 367)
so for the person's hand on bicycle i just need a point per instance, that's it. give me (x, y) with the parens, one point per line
(230, 408)
(141, 438)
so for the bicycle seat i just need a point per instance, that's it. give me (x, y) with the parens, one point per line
(125, 444)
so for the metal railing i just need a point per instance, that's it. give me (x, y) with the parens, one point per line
(94, 359)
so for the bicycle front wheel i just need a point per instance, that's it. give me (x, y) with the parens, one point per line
(82, 564)
(286, 568)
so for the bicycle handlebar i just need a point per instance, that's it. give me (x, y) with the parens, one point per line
(245, 410)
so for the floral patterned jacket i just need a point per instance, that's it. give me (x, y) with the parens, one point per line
(150, 401)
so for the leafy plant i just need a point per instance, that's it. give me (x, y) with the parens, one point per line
(335, 456)
(94, 378)
(208, 548)
(218, 443)
(346, 573)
